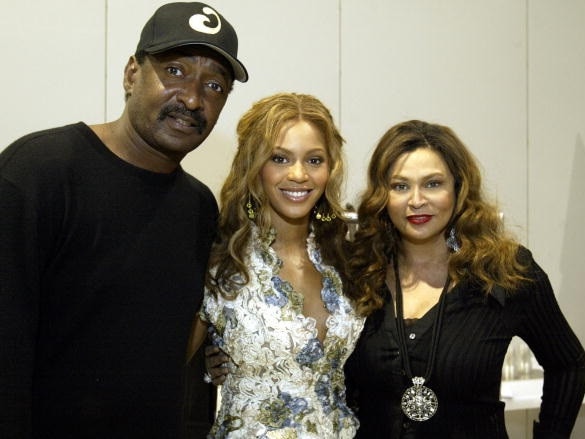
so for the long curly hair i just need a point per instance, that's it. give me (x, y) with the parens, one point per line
(488, 253)
(258, 131)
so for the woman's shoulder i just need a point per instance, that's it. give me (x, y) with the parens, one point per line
(532, 270)
(524, 255)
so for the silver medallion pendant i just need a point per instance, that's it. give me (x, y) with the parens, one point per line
(419, 403)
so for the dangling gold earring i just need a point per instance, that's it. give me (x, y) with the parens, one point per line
(323, 217)
(250, 208)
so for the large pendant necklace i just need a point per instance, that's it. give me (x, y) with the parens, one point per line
(419, 402)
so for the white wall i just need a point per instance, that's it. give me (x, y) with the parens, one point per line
(53, 62)
(506, 75)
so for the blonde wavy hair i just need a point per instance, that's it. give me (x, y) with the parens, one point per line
(258, 131)
(488, 253)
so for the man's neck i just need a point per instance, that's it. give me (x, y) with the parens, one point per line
(118, 138)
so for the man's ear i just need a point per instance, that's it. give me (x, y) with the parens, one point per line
(130, 75)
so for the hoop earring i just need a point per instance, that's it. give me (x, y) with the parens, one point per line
(452, 243)
(250, 208)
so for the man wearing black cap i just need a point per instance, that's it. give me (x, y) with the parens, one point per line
(104, 244)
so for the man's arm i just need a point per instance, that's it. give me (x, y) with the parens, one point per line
(18, 310)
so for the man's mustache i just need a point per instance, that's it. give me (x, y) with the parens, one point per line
(199, 120)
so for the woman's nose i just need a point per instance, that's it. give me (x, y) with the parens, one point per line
(297, 172)
(417, 198)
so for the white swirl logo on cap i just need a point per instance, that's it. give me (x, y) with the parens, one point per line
(200, 22)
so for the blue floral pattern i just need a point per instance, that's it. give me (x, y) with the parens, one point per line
(284, 382)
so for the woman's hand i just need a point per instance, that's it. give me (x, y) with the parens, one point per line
(216, 364)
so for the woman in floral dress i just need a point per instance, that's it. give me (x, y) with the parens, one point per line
(274, 301)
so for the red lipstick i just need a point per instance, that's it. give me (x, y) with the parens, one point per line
(419, 219)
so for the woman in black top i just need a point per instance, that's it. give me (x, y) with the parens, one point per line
(446, 289)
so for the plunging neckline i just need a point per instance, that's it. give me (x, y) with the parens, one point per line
(299, 300)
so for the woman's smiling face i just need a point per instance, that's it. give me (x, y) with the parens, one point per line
(296, 175)
(422, 197)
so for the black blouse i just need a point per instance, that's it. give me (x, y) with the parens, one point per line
(475, 335)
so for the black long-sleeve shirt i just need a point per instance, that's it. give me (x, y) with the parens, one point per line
(101, 272)
(475, 335)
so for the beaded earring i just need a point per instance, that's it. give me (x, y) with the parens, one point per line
(323, 217)
(250, 208)
(452, 243)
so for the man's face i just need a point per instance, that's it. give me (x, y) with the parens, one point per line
(175, 98)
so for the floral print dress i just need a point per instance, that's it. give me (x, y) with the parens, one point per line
(284, 383)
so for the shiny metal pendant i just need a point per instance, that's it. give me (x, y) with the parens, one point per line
(419, 403)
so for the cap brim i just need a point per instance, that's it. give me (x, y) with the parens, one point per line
(240, 72)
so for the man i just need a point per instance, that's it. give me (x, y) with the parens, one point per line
(104, 244)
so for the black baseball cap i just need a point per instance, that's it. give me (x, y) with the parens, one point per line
(182, 24)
